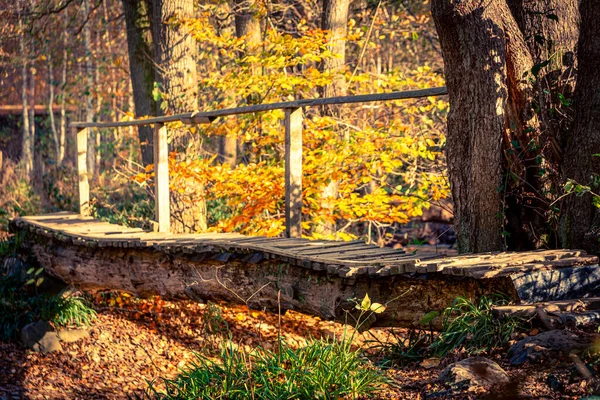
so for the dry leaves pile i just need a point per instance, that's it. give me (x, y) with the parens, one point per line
(136, 341)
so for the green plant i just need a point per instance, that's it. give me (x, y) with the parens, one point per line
(213, 322)
(471, 327)
(21, 304)
(320, 370)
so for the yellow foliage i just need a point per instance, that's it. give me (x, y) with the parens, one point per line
(387, 167)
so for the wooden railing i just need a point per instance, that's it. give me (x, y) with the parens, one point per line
(293, 148)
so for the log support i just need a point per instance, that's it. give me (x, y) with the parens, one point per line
(177, 273)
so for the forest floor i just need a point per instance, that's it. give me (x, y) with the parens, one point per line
(133, 342)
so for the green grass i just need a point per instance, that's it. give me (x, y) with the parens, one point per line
(471, 327)
(20, 306)
(21, 302)
(320, 370)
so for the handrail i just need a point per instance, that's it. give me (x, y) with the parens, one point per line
(208, 116)
(293, 148)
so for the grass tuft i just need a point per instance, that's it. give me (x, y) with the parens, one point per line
(320, 370)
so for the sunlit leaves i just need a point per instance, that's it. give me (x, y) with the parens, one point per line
(384, 159)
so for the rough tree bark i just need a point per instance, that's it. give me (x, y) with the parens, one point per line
(175, 58)
(485, 58)
(89, 109)
(247, 26)
(138, 20)
(26, 154)
(334, 18)
(580, 220)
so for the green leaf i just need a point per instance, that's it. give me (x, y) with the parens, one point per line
(535, 70)
(430, 316)
(39, 281)
(30, 271)
(39, 271)
(568, 186)
(30, 282)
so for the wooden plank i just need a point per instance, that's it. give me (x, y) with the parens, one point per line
(208, 116)
(82, 174)
(161, 178)
(293, 172)
(185, 118)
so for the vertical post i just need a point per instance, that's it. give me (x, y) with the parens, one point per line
(161, 177)
(293, 172)
(84, 187)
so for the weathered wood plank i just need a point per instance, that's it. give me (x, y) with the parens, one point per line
(161, 178)
(81, 135)
(293, 172)
(208, 116)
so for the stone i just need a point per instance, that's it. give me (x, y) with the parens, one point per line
(41, 337)
(72, 335)
(474, 371)
(547, 345)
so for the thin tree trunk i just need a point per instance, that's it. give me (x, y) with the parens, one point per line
(63, 100)
(334, 19)
(580, 220)
(138, 20)
(55, 137)
(89, 109)
(247, 26)
(36, 150)
(26, 155)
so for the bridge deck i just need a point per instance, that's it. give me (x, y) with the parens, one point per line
(345, 259)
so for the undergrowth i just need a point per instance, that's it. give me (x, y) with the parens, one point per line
(22, 302)
(320, 370)
(468, 327)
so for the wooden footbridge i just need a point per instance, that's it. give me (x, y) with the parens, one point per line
(316, 277)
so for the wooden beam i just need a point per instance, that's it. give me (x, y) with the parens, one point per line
(161, 178)
(185, 118)
(205, 117)
(293, 172)
(84, 187)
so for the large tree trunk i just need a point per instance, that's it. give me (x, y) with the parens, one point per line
(551, 29)
(175, 57)
(580, 221)
(138, 20)
(485, 58)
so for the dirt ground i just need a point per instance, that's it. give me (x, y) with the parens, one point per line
(134, 342)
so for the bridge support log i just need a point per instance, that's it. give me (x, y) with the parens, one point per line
(252, 277)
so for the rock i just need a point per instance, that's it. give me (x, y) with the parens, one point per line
(546, 345)
(72, 335)
(40, 336)
(474, 371)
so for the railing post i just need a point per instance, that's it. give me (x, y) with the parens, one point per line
(84, 187)
(161, 177)
(293, 172)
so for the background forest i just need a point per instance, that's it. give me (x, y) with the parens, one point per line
(367, 168)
